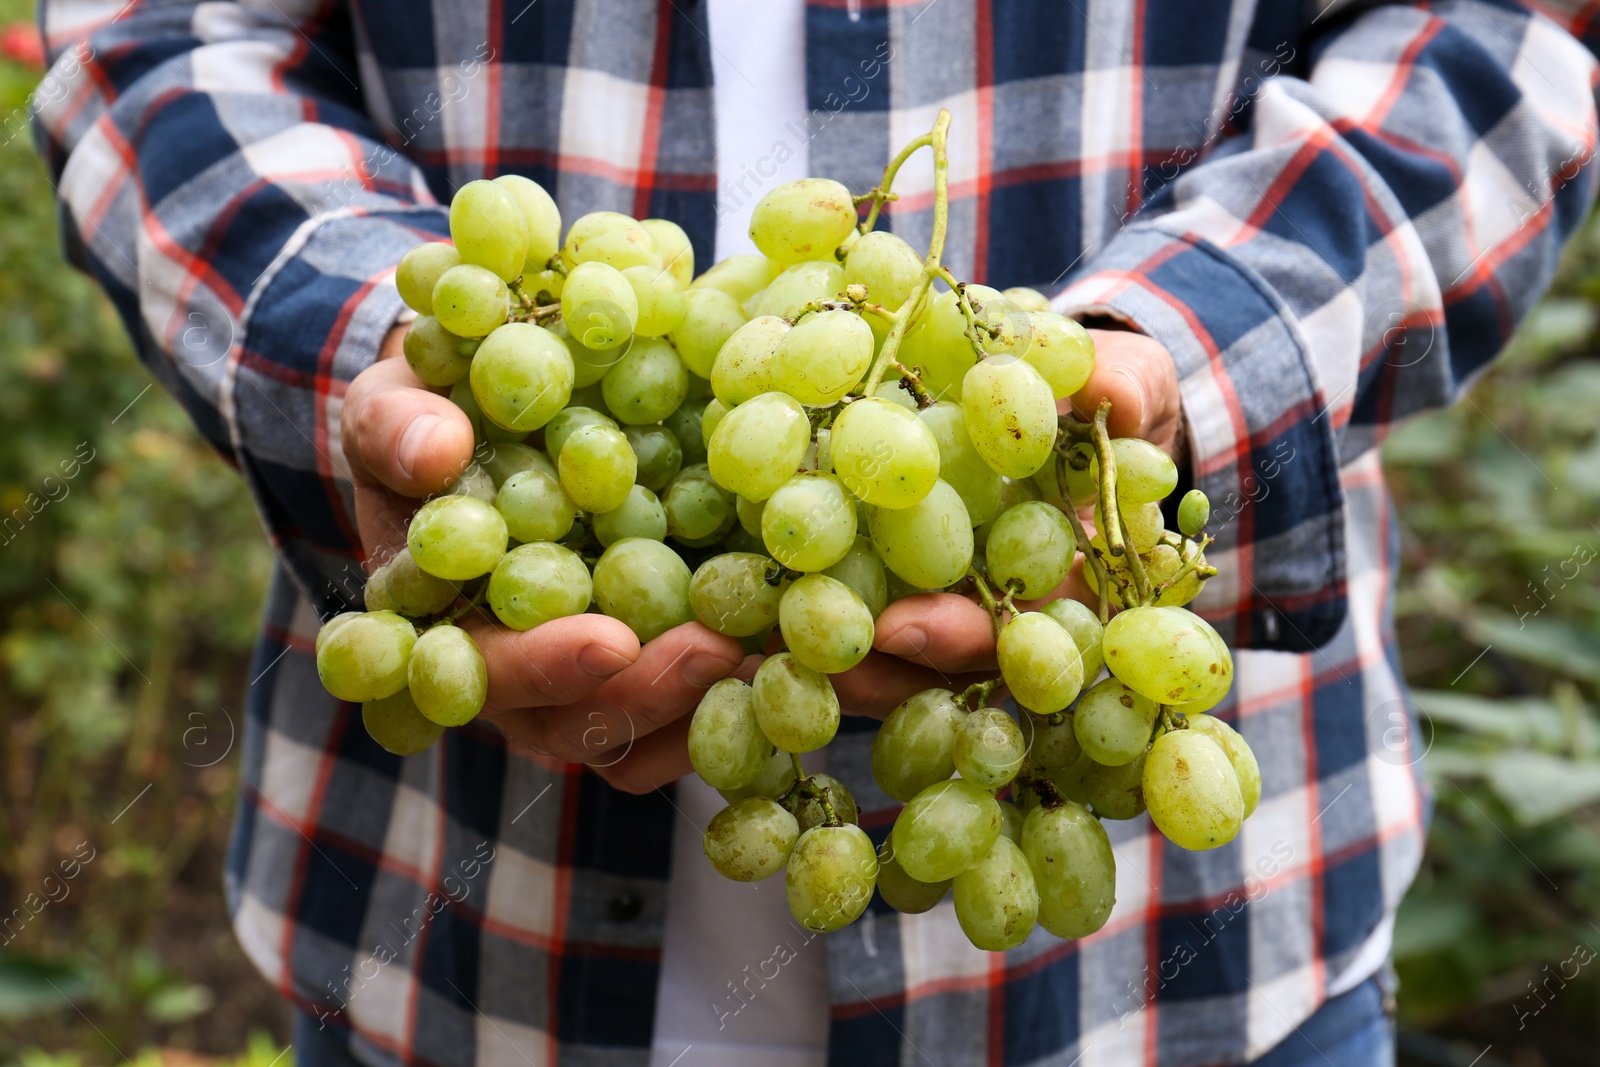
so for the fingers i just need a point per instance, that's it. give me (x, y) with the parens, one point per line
(398, 434)
(946, 632)
(1137, 375)
(652, 762)
(556, 663)
(875, 685)
(663, 685)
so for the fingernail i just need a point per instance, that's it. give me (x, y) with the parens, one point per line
(906, 641)
(702, 668)
(598, 661)
(409, 452)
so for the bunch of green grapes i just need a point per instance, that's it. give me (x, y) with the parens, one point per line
(778, 448)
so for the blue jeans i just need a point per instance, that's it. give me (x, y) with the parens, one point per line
(1350, 1030)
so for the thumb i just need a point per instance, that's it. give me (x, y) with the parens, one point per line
(1137, 375)
(398, 434)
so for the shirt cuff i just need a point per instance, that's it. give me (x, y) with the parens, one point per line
(1260, 443)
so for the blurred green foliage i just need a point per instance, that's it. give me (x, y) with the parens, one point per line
(130, 592)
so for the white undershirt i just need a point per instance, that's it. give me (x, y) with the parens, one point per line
(742, 984)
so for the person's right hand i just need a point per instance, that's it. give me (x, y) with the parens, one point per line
(578, 689)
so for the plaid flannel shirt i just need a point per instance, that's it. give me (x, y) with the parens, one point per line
(1333, 215)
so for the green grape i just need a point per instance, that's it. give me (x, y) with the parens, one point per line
(1194, 511)
(569, 420)
(1011, 415)
(659, 454)
(710, 415)
(796, 287)
(710, 318)
(362, 656)
(773, 781)
(1192, 791)
(419, 271)
(397, 726)
(830, 878)
(685, 426)
(805, 219)
(904, 893)
(1040, 664)
(1170, 655)
(977, 483)
(483, 431)
(750, 512)
(1052, 741)
(589, 365)
(743, 367)
(1162, 563)
(886, 265)
(945, 829)
(1011, 821)
(915, 746)
(1145, 474)
(1027, 299)
(1113, 723)
(750, 839)
(543, 219)
(699, 511)
(825, 625)
(996, 901)
(447, 675)
(1073, 869)
(473, 482)
(407, 589)
(741, 276)
(597, 468)
(1114, 792)
(469, 300)
(1013, 491)
(1082, 482)
(1061, 351)
(823, 357)
(537, 582)
(660, 297)
(730, 593)
(1080, 621)
(598, 306)
(544, 286)
(937, 346)
(521, 376)
(457, 537)
(645, 585)
(928, 544)
(647, 384)
(641, 515)
(672, 245)
(726, 746)
(1013, 327)
(805, 804)
(892, 391)
(884, 454)
(488, 228)
(759, 445)
(610, 239)
(1070, 782)
(809, 523)
(796, 706)
(1029, 549)
(989, 748)
(862, 570)
(1240, 758)
(501, 461)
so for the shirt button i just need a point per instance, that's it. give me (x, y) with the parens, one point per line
(624, 907)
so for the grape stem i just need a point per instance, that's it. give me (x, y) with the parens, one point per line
(1049, 796)
(938, 139)
(977, 695)
(1102, 581)
(1112, 527)
(1141, 580)
(975, 328)
(985, 595)
(1191, 565)
(806, 786)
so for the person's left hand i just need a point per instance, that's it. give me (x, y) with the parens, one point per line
(947, 640)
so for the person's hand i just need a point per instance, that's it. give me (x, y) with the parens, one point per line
(578, 689)
(934, 639)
